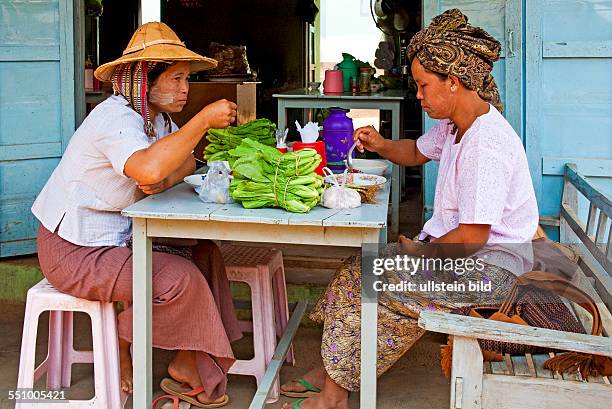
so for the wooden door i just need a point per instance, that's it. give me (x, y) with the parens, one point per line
(36, 109)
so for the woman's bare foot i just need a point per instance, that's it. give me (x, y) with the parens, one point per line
(332, 396)
(183, 369)
(125, 365)
(315, 376)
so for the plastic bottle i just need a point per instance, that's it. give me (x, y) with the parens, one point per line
(354, 86)
(89, 77)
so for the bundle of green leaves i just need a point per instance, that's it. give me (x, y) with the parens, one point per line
(222, 140)
(264, 177)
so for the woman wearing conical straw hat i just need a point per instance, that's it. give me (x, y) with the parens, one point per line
(128, 147)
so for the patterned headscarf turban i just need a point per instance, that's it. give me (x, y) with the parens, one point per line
(130, 81)
(451, 46)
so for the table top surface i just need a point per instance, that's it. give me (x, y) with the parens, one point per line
(182, 203)
(305, 93)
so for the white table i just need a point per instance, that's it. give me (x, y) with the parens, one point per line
(179, 213)
(388, 100)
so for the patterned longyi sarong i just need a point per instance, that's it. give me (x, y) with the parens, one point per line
(339, 310)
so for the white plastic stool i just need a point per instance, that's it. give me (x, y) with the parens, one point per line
(61, 353)
(262, 269)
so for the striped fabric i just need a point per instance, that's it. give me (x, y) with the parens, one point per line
(130, 80)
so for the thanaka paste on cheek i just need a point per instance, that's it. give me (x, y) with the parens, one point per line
(161, 98)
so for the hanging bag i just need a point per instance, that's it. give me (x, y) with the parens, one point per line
(534, 300)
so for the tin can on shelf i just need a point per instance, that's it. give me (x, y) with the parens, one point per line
(364, 80)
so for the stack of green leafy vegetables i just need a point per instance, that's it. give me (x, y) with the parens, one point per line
(222, 140)
(264, 177)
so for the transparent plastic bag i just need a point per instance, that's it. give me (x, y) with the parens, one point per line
(338, 196)
(215, 188)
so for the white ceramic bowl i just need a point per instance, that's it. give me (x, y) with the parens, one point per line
(195, 181)
(370, 166)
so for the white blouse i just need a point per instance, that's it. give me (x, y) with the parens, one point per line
(88, 189)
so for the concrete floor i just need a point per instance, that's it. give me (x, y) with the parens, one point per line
(415, 382)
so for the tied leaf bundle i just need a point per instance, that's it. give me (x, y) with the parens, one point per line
(222, 140)
(264, 177)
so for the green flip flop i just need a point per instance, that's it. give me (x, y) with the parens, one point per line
(310, 391)
(296, 404)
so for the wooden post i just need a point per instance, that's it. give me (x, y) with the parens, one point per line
(570, 199)
(466, 376)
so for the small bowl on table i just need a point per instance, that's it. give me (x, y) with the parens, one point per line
(370, 166)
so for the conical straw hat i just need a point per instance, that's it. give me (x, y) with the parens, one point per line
(155, 42)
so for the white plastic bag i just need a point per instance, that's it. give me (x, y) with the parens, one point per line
(339, 196)
(215, 188)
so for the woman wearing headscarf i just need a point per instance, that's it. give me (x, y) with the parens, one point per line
(484, 196)
(127, 148)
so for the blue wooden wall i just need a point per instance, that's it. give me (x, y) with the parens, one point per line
(36, 109)
(569, 94)
(556, 83)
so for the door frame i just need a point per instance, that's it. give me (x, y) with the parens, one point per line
(67, 70)
(514, 35)
(533, 77)
(79, 61)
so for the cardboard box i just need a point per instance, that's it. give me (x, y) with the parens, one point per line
(244, 94)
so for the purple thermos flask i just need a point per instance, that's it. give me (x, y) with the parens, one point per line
(338, 136)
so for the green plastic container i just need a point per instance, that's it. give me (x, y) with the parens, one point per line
(349, 70)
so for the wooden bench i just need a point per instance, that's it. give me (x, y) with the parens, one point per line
(521, 381)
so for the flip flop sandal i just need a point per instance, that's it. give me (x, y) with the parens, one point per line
(176, 402)
(310, 391)
(296, 404)
(184, 392)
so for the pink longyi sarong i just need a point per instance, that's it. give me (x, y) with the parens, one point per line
(192, 303)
